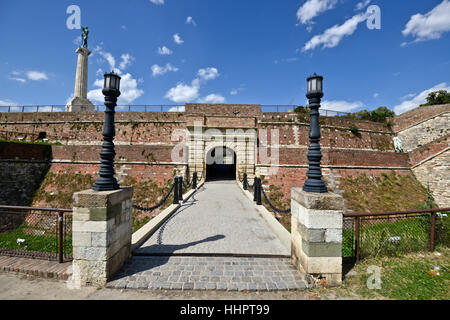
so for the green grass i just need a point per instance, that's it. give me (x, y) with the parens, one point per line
(414, 236)
(33, 142)
(43, 243)
(404, 277)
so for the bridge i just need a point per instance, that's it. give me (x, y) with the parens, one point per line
(216, 240)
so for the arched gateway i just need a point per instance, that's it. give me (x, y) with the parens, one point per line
(211, 136)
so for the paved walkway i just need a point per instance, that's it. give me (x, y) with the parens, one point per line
(36, 267)
(218, 219)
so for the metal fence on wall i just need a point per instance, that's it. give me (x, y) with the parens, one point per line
(391, 233)
(42, 233)
(62, 108)
(163, 108)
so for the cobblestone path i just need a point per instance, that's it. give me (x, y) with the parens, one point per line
(208, 273)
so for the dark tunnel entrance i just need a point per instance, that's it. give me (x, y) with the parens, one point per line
(220, 164)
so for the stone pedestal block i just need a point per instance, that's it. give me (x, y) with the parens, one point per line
(101, 234)
(316, 234)
(80, 101)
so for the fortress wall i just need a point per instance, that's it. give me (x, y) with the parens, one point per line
(425, 132)
(418, 115)
(333, 137)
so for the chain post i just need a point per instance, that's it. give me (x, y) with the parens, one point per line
(245, 182)
(180, 185)
(175, 193)
(258, 194)
(60, 236)
(194, 180)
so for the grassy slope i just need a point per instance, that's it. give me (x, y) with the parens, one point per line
(406, 277)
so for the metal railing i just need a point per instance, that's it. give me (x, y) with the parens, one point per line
(392, 233)
(62, 108)
(43, 233)
(163, 108)
(291, 109)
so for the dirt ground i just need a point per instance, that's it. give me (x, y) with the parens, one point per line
(20, 287)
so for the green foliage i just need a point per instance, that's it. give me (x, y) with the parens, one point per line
(380, 114)
(40, 142)
(42, 243)
(390, 192)
(437, 97)
(406, 277)
(354, 129)
(57, 189)
(301, 109)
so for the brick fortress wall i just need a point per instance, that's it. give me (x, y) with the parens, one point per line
(144, 141)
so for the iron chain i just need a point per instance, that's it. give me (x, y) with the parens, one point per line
(158, 205)
(272, 206)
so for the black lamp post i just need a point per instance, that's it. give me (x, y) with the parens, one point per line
(106, 180)
(314, 182)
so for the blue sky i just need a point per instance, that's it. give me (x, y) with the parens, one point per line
(229, 51)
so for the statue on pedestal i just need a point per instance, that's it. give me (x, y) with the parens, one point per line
(80, 101)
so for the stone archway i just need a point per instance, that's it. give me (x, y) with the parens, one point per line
(220, 163)
(241, 143)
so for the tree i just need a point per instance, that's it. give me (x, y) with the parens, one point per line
(378, 115)
(437, 97)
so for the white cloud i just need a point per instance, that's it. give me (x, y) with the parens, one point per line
(376, 94)
(164, 51)
(361, 5)
(312, 8)
(190, 20)
(107, 56)
(159, 70)
(177, 109)
(78, 41)
(129, 90)
(183, 92)
(157, 2)
(430, 25)
(341, 105)
(208, 73)
(417, 100)
(187, 93)
(213, 98)
(7, 103)
(126, 61)
(332, 36)
(18, 79)
(36, 75)
(177, 39)
(235, 91)
(409, 95)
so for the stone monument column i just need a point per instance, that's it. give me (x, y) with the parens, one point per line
(80, 102)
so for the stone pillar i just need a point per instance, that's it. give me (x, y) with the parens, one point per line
(80, 102)
(101, 234)
(316, 234)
